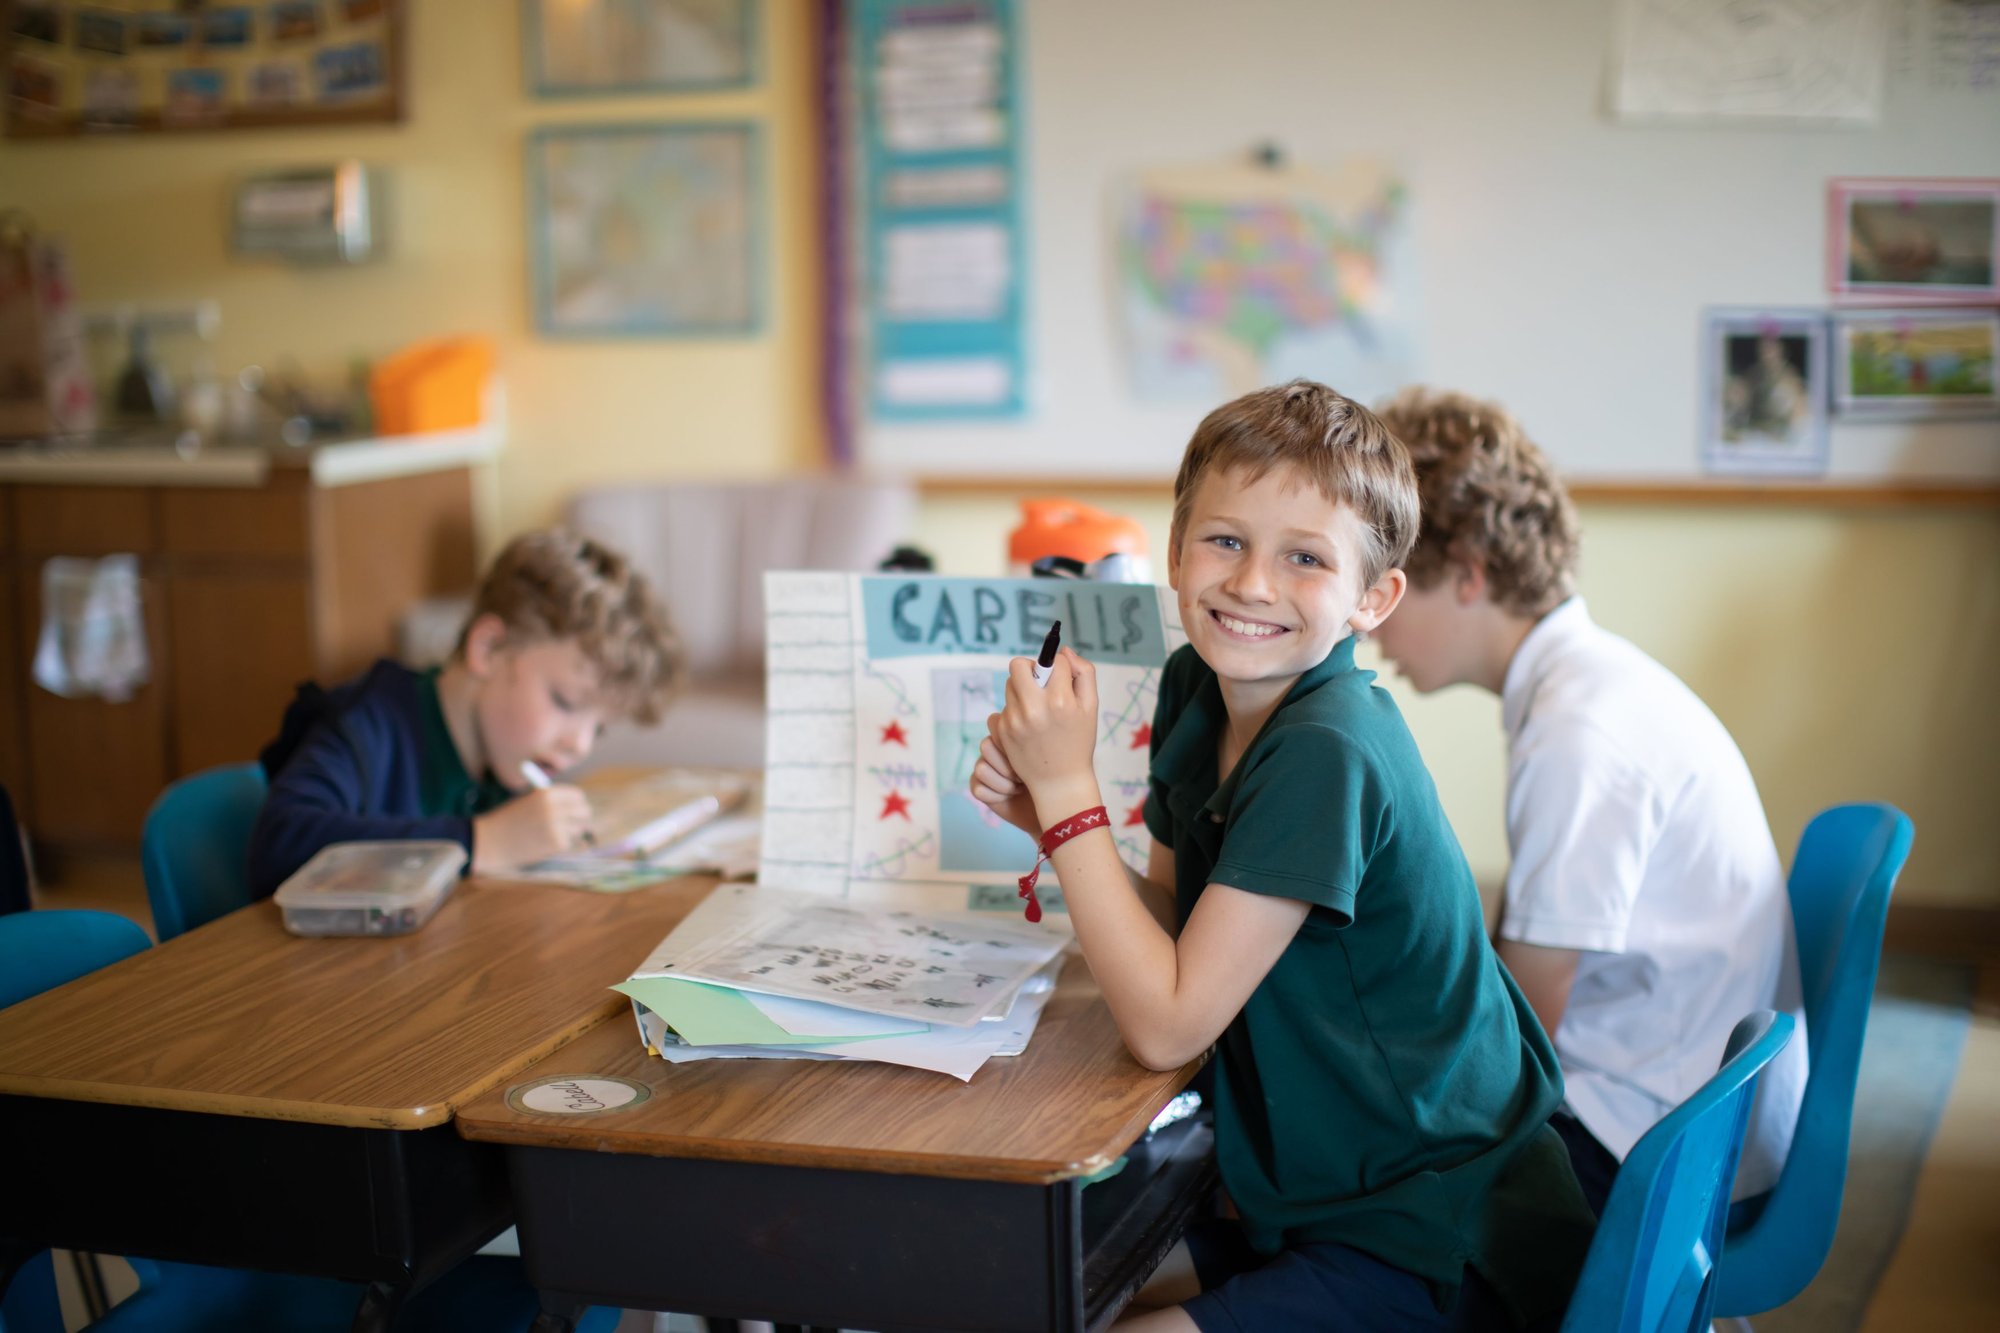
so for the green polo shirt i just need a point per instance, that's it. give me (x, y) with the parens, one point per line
(1386, 1086)
(444, 787)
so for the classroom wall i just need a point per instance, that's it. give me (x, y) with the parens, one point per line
(146, 220)
(1851, 652)
(1561, 259)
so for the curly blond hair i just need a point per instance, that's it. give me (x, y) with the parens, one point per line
(1490, 498)
(556, 586)
(1342, 447)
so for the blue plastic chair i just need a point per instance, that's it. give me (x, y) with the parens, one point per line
(1847, 863)
(1652, 1264)
(196, 847)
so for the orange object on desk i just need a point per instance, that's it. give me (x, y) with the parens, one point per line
(1056, 526)
(439, 384)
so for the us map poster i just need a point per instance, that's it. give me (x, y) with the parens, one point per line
(878, 689)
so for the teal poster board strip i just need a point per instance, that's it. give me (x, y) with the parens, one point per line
(929, 617)
(942, 237)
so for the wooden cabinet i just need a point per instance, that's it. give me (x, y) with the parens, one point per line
(248, 590)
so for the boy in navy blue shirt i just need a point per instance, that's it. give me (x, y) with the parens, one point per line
(564, 636)
(1382, 1090)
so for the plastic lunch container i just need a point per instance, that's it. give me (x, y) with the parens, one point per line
(370, 888)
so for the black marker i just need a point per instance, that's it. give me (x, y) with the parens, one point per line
(1047, 659)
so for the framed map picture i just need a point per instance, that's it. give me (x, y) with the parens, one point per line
(646, 229)
(625, 46)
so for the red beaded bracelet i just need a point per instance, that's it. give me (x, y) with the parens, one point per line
(1052, 838)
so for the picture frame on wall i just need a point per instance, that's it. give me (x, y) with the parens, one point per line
(647, 230)
(1901, 365)
(1914, 240)
(604, 47)
(1763, 408)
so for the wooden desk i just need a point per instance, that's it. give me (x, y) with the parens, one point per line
(242, 1096)
(868, 1196)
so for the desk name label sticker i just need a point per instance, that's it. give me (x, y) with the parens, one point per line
(581, 1094)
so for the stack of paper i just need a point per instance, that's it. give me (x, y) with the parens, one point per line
(764, 973)
(674, 822)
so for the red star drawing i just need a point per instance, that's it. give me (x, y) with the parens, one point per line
(1142, 736)
(895, 804)
(893, 734)
(1136, 815)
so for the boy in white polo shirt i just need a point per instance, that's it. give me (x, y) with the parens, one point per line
(1645, 908)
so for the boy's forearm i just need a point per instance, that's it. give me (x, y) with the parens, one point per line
(1127, 943)
(1158, 898)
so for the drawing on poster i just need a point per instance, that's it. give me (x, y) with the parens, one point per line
(880, 687)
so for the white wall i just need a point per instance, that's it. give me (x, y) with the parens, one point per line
(1564, 257)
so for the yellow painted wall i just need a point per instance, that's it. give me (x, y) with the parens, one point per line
(147, 221)
(1853, 653)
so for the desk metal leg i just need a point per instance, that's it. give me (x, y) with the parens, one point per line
(378, 1307)
(559, 1313)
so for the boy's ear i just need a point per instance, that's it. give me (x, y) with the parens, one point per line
(484, 639)
(1469, 581)
(1379, 601)
(1173, 564)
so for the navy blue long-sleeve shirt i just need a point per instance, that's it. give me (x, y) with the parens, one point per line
(368, 761)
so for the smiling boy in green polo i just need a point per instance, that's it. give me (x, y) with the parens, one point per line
(1382, 1090)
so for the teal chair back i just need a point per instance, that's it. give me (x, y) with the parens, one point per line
(1652, 1264)
(1848, 860)
(40, 951)
(196, 847)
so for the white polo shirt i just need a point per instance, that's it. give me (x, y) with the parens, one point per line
(1638, 838)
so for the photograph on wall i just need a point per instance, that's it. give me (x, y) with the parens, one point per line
(34, 90)
(1898, 365)
(1927, 241)
(164, 30)
(131, 66)
(111, 97)
(1763, 406)
(38, 21)
(620, 46)
(223, 29)
(294, 20)
(100, 32)
(646, 229)
(194, 97)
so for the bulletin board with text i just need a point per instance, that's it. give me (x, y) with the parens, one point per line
(175, 65)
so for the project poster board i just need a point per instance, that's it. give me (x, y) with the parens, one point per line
(941, 230)
(878, 690)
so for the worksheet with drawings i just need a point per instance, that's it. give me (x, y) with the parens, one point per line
(879, 688)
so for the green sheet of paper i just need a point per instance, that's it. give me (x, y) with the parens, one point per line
(716, 1016)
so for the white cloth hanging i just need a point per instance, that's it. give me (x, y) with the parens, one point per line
(93, 640)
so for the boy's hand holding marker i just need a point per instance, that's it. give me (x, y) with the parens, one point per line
(1035, 767)
(547, 821)
(994, 780)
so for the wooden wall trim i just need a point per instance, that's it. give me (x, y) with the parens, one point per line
(1825, 495)
(1939, 931)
